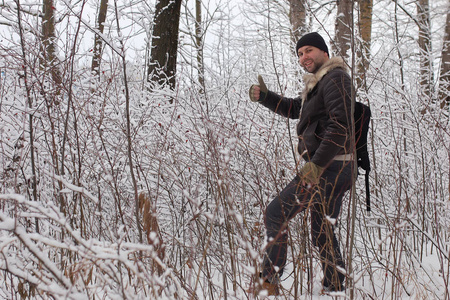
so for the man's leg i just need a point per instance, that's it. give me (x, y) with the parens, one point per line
(335, 181)
(290, 201)
(330, 255)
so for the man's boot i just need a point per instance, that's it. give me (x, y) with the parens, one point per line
(331, 288)
(272, 288)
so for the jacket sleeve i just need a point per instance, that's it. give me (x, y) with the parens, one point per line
(337, 102)
(287, 107)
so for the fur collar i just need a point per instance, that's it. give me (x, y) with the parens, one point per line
(311, 80)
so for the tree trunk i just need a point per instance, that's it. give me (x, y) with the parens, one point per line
(343, 29)
(297, 17)
(444, 80)
(48, 61)
(426, 72)
(19, 144)
(163, 57)
(365, 29)
(98, 42)
(199, 44)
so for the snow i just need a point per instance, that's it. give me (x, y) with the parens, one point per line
(209, 162)
(331, 220)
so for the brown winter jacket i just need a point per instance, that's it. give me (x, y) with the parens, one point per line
(324, 111)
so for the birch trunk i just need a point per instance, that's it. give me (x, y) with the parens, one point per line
(98, 42)
(199, 44)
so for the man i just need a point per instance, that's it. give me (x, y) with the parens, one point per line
(324, 131)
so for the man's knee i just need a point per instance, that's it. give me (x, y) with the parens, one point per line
(321, 233)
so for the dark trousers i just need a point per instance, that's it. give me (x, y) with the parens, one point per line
(324, 202)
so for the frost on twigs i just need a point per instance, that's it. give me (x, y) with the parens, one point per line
(79, 266)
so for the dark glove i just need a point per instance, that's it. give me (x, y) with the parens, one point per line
(262, 91)
(310, 173)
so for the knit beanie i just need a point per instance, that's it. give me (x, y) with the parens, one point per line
(312, 39)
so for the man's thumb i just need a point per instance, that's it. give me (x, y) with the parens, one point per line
(262, 85)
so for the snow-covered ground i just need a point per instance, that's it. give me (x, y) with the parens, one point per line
(208, 163)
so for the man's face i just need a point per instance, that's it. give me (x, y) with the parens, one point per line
(311, 58)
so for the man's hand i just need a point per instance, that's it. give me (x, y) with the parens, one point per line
(310, 174)
(258, 93)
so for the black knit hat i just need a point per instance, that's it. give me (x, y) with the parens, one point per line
(312, 39)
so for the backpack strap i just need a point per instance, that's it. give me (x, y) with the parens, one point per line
(367, 191)
(362, 121)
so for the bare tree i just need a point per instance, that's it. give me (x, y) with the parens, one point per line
(444, 80)
(297, 16)
(199, 44)
(98, 43)
(365, 30)
(426, 66)
(343, 30)
(49, 60)
(30, 117)
(163, 59)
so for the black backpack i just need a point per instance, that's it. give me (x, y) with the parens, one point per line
(362, 120)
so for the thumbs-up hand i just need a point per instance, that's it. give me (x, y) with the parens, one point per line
(258, 92)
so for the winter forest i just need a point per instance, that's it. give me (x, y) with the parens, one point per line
(134, 166)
